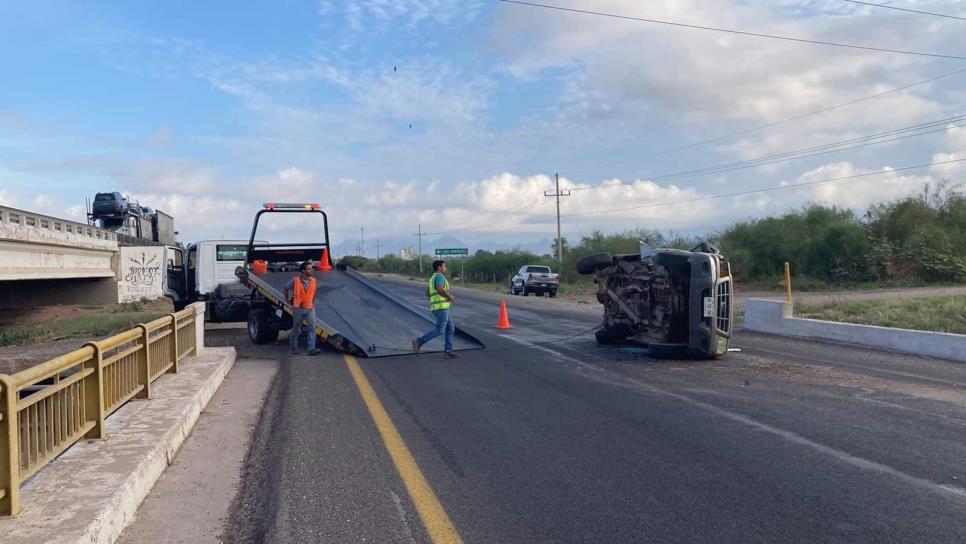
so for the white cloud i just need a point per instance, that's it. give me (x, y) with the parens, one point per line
(956, 146)
(166, 175)
(856, 193)
(629, 70)
(365, 14)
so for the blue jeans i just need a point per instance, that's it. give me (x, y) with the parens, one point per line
(299, 315)
(444, 324)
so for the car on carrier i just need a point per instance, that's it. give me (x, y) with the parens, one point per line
(109, 204)
(679, 303)
(534, 279)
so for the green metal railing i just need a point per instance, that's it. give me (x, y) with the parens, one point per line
(46, 409)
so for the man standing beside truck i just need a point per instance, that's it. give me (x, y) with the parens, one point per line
(440, 302)
(302, 289)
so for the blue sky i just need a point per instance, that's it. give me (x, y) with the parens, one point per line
(456, 114)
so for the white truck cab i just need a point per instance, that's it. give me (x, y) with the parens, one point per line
(205, 271)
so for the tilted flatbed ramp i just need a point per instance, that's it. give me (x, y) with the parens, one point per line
(371, 319)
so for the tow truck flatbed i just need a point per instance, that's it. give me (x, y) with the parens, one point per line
(352, 313)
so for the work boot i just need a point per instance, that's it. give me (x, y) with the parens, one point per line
(416, 345)
(313, 351)
(452, 355)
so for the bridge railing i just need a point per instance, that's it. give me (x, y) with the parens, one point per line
(46, 409)
(21, 218)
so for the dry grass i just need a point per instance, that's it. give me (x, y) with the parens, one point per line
(87, 321)
(941, 314)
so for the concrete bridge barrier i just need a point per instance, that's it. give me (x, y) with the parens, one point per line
(775, 317)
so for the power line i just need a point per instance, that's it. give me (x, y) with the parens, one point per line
(813, 151)
(779, 122)
(732, 31)
(763, 190)
(906, 10)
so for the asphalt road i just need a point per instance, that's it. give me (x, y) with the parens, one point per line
(544, 438)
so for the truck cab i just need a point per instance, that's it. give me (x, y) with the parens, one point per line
(205, 271)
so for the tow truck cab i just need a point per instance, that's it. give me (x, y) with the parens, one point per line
(205, 271)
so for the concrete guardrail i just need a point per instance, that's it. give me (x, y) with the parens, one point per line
(775, 317)
(46, 409)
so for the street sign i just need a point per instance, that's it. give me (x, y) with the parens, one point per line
(453, 251)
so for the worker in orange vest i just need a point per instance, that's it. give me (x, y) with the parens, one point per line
(302, 289)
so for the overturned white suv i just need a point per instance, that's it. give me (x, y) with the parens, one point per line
(677, 302)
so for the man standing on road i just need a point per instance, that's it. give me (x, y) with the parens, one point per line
(440, 301)
(302, 289)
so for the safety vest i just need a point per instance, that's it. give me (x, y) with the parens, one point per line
(302, 298)
(436, 300)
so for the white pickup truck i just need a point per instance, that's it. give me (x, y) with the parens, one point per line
(534, 279)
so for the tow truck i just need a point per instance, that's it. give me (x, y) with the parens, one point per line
(352, 313)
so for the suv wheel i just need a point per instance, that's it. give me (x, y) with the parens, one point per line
(612, 334)
(595, 262)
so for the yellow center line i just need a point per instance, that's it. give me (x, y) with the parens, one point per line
(437, 523)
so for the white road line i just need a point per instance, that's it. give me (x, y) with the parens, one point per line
(944, 490)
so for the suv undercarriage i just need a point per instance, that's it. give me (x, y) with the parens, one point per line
(677, 302)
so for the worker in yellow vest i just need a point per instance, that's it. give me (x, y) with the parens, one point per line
(440, 302)
(302, 289)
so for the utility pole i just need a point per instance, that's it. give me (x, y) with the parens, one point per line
(557, 194)
(362, 242)
(419, 236)
(377, 249)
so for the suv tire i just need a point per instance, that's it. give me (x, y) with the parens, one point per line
(612, 334)
(595, 262)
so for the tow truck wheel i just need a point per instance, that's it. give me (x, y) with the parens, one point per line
(259, 330)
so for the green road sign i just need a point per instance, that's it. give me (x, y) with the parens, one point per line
(453, 251)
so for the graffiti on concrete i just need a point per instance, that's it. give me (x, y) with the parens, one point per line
(143, 271)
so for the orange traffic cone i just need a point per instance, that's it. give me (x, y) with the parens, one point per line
(504, 321)
(325, 264)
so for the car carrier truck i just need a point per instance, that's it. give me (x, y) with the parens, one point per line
(352, 313)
